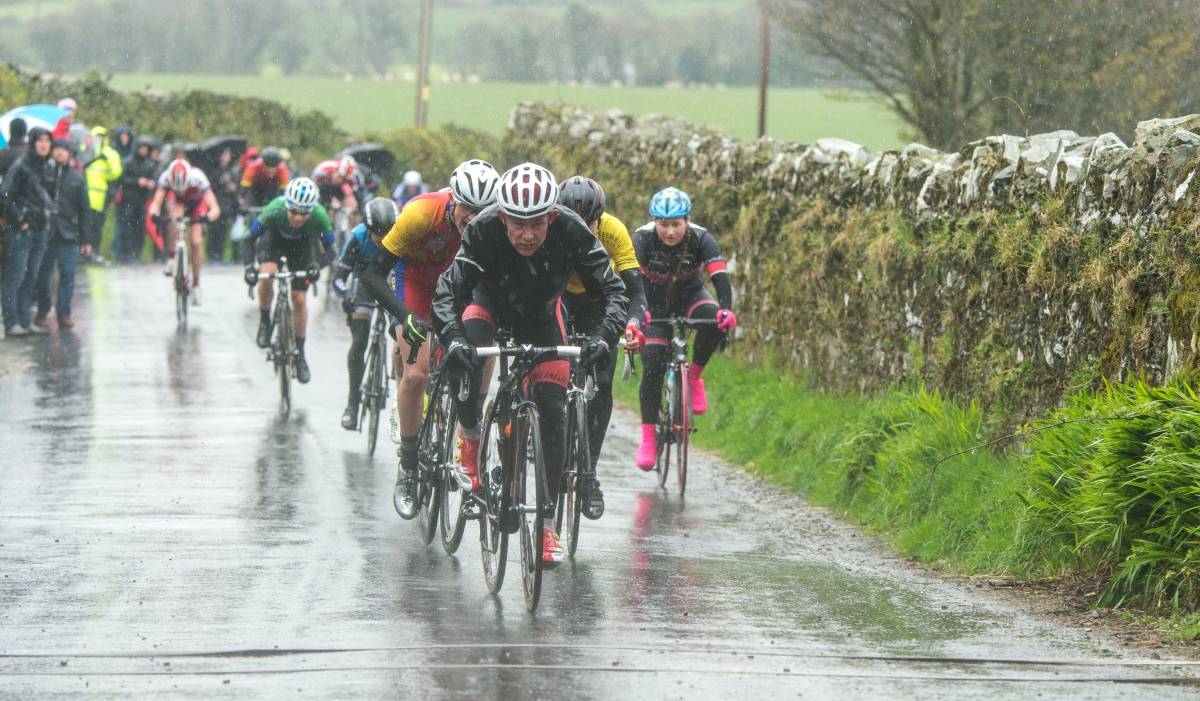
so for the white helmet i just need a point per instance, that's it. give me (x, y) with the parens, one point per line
(179, 174)
(474, 183)
(346, 167)
(528, 191)
(412, 178)
(301, 195)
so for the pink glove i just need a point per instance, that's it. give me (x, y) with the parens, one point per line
(634, 338)
(725, 320)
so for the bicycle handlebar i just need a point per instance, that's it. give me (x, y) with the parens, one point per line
(682, 321)
(301, 275)
(511, 351)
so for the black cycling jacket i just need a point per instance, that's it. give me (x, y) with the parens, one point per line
(677, 272)
(526, 286)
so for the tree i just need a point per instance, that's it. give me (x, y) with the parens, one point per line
(583, 32)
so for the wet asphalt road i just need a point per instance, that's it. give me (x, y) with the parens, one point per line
(162, 531)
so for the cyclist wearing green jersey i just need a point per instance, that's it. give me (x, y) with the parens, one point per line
(290, 226)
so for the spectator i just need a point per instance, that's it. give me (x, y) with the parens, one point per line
(410, 187)
(27, 203)
(103, 169)
(16, 145)
(67, 226)
(123, 141)
(225, 181)
(138, 177)
(63, 129)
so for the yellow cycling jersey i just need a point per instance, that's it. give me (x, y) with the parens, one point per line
(615, 238)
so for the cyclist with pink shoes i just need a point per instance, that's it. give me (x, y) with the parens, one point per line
(674, 255)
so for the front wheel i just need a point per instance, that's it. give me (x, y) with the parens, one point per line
(664, 435)
(283, 357)
(181, 288)
(493, 537)
(453, 521)
(529, 498)
(683, 428)
(376, 396)
(570, 494)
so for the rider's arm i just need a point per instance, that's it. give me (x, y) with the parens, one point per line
(250, 247)
(349, 258)
(214, 209)
(714, 265)
(614, 235)
(595, 271)
(157, 202)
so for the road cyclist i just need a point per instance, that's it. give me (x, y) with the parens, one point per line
(420, 247)
(291, 226)
(675, 255)
(188, 197)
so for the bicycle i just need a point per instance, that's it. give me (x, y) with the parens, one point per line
(374, 386)
(181, 269)
(674, 426)
(578, 469)
(435, 450)
(512, 470)
(282, 351)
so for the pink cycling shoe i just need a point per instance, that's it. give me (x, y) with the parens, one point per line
(696, 385)
(646, 452)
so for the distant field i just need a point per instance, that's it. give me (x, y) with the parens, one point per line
(802, 115)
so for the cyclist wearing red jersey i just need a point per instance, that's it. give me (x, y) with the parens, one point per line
(263, 179)
(420, 247)
(335, 180)
(674, 254)
(187, 193)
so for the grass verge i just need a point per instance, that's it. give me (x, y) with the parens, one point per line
(1103, 489)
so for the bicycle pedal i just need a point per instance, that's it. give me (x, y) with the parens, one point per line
(470, 511)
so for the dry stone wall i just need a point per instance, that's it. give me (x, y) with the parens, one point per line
(1010, 271)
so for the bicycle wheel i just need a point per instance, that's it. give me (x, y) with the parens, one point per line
(283, 357)
(493, 540)
(429, 498)
(181, 288)
(453, 521)
(682, 428)
(529, 497)
(374, 400)
(570, 494)
(663, 433)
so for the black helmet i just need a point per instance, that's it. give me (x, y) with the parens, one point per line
(583, 195)
(271, 156)
(380, 215)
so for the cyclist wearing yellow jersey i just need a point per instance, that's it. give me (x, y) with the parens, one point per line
(420, 247)
(584, 312)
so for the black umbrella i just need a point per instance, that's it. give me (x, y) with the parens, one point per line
(208, 152)
(375, 157)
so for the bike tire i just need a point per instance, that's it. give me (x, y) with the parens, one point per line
(375, 399)
(683, 429)
(429, 500)
(663, 433)
(578, 464)
(493, 540)
(453, 522)
(283, 358)
(530, 475)
(181, 289)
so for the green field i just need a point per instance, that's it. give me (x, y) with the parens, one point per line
(795, 114)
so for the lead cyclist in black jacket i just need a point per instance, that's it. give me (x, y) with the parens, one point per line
(514, 263)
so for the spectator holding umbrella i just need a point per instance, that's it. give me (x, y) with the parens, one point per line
(226, 179)
(103, 169)
(139, 174)
(27, 203)
(16, 145)
(67, 226)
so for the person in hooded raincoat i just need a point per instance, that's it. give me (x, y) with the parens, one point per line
(27, 200)
(104, 168)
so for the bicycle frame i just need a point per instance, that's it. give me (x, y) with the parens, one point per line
(282, 353)
(675, 425)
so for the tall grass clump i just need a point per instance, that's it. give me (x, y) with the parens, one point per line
(1114, 489)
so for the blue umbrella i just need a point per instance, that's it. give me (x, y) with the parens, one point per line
(45, 116)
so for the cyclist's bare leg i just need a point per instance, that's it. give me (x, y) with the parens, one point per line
(196, 251)
(300, 312)
(410, 390)
(264, 286)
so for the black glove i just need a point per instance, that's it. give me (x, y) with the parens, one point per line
(313, 273)
(347, 304)
(594, 352)
(250, 275)
(461, 355)
(414, 330)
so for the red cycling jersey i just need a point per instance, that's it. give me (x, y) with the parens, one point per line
(262, 179)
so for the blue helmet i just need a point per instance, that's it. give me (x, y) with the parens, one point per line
(670, 204)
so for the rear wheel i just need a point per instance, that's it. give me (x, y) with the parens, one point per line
(493, 540)
(444, 413)
(529, 496)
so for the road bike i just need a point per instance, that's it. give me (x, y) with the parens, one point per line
(181, 264)
(512, 469)
(674, 426)
(374, 386)
(578, 469)
(282, 351)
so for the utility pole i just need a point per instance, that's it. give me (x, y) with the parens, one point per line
(421, 114)
(764, 66)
